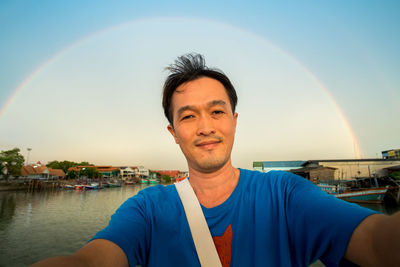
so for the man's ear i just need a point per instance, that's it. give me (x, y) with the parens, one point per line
(235, 116)
(172, 131)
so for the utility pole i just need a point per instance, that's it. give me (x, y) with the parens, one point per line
(27, 158)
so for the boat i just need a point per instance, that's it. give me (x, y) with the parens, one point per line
(362, 190)
(114, 184)
(129, 182)
(68, 186)
(79, 187)
(373, 195)
(153, 181)
(144, 181)
(92, 186)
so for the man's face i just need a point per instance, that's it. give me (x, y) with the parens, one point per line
(203, 123)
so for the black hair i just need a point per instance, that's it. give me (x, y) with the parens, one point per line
(188, 68)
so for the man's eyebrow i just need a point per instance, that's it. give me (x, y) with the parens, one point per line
(216, 103)
(209, 104)
(184, 108)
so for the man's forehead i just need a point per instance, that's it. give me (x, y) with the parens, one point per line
(204, 87)
(179, 103)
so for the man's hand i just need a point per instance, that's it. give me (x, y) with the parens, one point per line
(376, 241)
(99, 252)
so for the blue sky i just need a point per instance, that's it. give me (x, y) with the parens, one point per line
(288, 51)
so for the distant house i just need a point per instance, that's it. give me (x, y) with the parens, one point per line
(126, 173)
(136, 173)
(391, 154)
(143, 172)
(39, 171)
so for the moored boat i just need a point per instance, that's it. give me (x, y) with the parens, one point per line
(153, 181)
(79, 187)
(362, 190)
(114, 185)
(373, 195)
(92, 186)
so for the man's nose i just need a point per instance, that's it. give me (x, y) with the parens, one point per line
(205, 126)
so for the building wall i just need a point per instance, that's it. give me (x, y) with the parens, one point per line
(322, 174)
(391, 154)
(143, 172)
(353, 169)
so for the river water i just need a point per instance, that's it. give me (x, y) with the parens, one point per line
(38, 225)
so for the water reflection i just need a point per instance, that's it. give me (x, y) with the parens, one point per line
(38, 225)
(7, 209)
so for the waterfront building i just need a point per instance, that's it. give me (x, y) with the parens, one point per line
(126, 173)
(135, 172)
(315, 174)
(391, 154)
(39, 171)
(143, 172)
(266, 166)
(348, 169)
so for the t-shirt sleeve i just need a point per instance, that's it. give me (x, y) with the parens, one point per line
(127, 229)
(320, 225)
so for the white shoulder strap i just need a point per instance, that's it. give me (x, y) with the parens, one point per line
(203, 242)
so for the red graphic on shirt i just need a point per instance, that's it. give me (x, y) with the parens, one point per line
(223, 244)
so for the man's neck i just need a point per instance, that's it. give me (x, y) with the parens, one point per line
(212, 189)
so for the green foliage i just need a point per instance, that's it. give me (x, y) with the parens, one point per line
(90, 173)
(72, 174)
(84, 163)
(65, 165)
(11, 162)
(395, 175)
(166, 178)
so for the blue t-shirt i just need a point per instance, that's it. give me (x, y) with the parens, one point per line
(270, 219)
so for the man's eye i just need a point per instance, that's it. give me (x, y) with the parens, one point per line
(187, 117)
(217, 112)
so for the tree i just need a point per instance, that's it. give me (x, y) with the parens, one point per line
(90, 172)
(11, 162)
(166, 178)
(84, 163)
(72, 174)
(65, 165)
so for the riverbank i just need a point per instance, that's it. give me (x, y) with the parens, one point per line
(13, 185)
(39, 185)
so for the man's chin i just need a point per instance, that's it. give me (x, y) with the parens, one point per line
(210, 165)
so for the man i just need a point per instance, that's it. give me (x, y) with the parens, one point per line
(273, 219)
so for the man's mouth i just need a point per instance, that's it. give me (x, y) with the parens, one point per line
(208, 144)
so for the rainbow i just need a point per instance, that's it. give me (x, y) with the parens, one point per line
(34, 74)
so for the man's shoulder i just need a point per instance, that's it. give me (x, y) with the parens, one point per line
(275, 180)
(158, 191)
(273, 175)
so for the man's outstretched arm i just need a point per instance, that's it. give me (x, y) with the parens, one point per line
(99, 252)
(376, 241)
